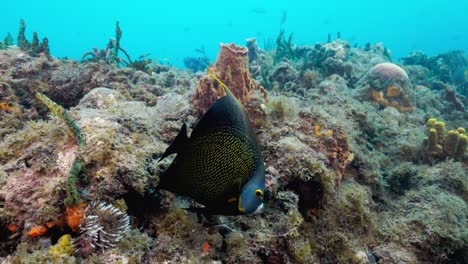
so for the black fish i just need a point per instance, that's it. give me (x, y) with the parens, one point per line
(220, 165)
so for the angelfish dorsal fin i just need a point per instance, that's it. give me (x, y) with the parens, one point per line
(226, 112)
(179, 142)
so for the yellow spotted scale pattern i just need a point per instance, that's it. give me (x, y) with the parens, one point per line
(222, 159)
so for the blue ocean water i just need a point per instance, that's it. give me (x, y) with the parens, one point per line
(172, 30)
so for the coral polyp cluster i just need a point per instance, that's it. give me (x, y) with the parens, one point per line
(101, 228)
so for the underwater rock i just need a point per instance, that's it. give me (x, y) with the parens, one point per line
(336, 55)
(338, 49)
(231, 67)
(11, 116)
(173, 106)
(332, 83)
(37, 171)
(311, 78)
(418, 75)
(449, 67)
(415, 58)
(392, 253)
(450, 95)
(284, 73)
(101, 98)
(360, 258)
(69, 83)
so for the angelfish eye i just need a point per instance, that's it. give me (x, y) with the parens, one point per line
(258, 193)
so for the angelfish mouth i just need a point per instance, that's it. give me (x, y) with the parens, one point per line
(259, 209)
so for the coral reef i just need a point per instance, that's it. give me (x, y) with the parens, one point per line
(440, 71)
(346, 182)
(254, 51)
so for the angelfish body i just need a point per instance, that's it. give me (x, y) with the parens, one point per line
(220, 165)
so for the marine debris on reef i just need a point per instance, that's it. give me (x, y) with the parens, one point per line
(348, 178)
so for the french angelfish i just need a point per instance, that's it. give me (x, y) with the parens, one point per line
(220, 165)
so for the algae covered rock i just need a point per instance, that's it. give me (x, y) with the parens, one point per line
(101, 98)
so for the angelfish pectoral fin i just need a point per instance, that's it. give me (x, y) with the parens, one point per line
(178, 143)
